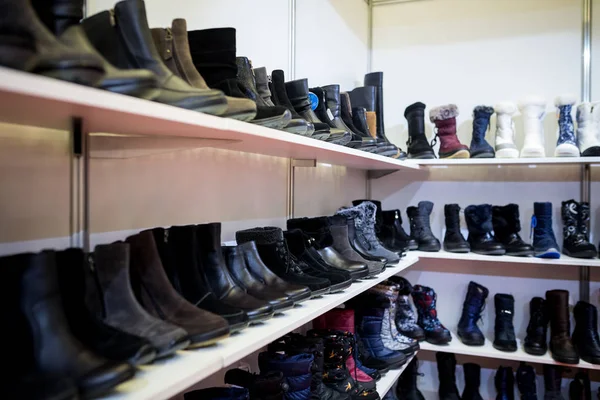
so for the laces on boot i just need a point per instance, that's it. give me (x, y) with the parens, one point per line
(290, 261)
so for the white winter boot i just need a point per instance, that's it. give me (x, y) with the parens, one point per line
(588, 129)
(533, 110)
(566, 145)
(505, 130)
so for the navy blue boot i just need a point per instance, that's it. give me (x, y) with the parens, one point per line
(296, 372)
(218, 393)
(544, 241)
(468, 331)
(480, 148)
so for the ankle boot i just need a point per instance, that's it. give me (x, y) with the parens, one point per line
(536, 342)
(585, 336)
(479, 222)
(30, 46)
(128, 44)
(360, 246)
(296, 370)
(117, 304)
(576, 217)
(280, 98)
(454, 241)
(88, 328)
(505, 384)
(552, 382)
(420, 228)
(418, 145)
(237, 268)
(261, 76)
(480, 148)
(269, 386)
(337, 136)
(298, 94)
(533, 110)
(504, 331)
(218, 393)
(444, 118)
(273, 251)
(566, 145)
(179, 257)
(364, 220)
(338, 228)
(156, 294)
(36, 304)
(561, 346)
(213, 266)
(359, 118)
(580, 388)
(425, 301)
(505, 130)
(406, 321)
(507, 226)
(398, 248)
(588, 123)
(446, 366)
(407, 389)
(468, 331)
(179, 60)
(544, 241)
(526, 382)
(375, 79)
(360, 140)
(393, 232)
(472, 382)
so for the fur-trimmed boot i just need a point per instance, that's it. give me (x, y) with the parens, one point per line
(566, 145)
(418, 145)
(505, 130)
(480, 148)
(533, 110)
(444, 118)
(588, 129)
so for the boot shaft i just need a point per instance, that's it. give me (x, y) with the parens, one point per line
(415, 116)
(557, 302)
(538, 318)
(420, 219)
(479, 219)
(543, 221)
(552, 379)
(452, 217)
(262, 85)
(504, 382)
(446, 366)
(214, 54)
(525, 377)
(505, 126)
(533, 110)
(505, 220)
(472, 374)
(425, 300)
(566, 129)
(444, 118)
(474, 303)
(481, 122)
(505, 310)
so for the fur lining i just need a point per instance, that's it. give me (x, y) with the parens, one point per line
(565, 100)
(443, 112)
(483, 109)
(506, 107)
(266, 235)
(532, 101)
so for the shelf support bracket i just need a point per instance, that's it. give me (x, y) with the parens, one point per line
(79, 208)
(291, 181)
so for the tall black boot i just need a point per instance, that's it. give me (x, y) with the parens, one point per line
(504, 330)
(446, 365)
(526, 382)
(407, 384)
(360, 140)
(337, 136)
(420, 228)
(298, 94)
(393, 232)
(505, 384)
(479, 222)
(418, 145)
(552, 382)
(536, 342)
(454, 241)
(585, 336)
(507, 226)
(280, 98)
(575, 218)
(580, 389)
(472, 381)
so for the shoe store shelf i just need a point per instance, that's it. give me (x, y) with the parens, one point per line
(388, 380)
(166, 378)
(106, 114)
(563, 260)
(505, 161)
(488, 351)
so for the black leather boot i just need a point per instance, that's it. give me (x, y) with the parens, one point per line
(418, 145)
(446, 366)
(526, 377)
(505, 384)
(126, 42)
(30, 46)
(407, 389)
(263, 87)
(360, 140)
(561, 346)
(359, 118)
(338, 136)
(479, 222)
(212, 265)
(504, 330)
(236, 265)
(375, 79)
(576, 217)
(472, 382)
(585, 336)
(298, 94)
(536, 342)
(468, 331)
(420, 228)
(392, 230)
(269, 386)
(36, 300)
(580, 388)
(178, 252)
(280, 98)
(454, 241)
(552, 382)
(274, 252)
(156, 294)
(394, 246)
(116, 303)
(507, 226)
(88, 328)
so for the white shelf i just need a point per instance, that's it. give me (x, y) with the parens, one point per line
(505, 161)
(488, 351)
(563, 260)
(56, 103)
(169, 377)
(388, 380)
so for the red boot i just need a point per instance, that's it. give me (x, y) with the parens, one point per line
(444, 118)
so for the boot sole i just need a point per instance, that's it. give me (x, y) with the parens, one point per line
(525, 253)
(433, 249)
(470, 343)
(421, 156)
(207, 343)
(238, 327)
(591, 360)
(533, 153)
(147, 91)
(276, 122)
(505, 349)
(581, 254)
(550, 253)
(591, 152)
(566, 150)
(319, 293)
(339, 287)
(483, 155)
(565, 360)
(499, 252)
(507, 153)
(458, 154)
(241, 116)
(413, 247)
(143, 357)
(457, 250)
(535, 352)
(180, 345)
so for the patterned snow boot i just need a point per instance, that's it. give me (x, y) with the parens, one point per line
(406, 320)
(444, 118)
(566, 145)
(425, 299)
(576, 217)
(480, 148)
